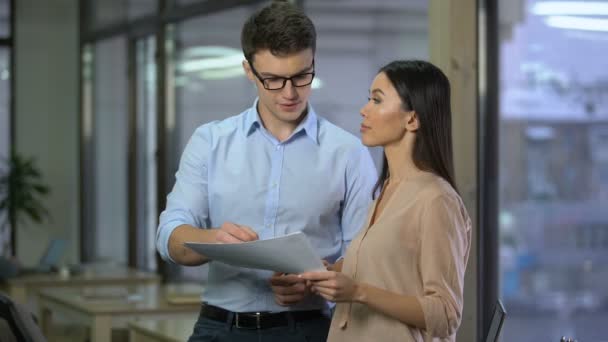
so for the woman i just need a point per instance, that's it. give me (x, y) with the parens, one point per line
(402, 276)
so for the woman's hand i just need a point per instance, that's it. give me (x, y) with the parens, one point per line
(333, 286)
(288, 289)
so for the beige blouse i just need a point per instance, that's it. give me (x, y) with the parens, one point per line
(418, 246)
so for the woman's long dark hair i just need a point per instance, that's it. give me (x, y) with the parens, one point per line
(425, 89)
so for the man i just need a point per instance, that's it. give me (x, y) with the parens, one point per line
(274, 169)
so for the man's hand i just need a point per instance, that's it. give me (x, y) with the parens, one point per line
(233, 233)
(288, 289)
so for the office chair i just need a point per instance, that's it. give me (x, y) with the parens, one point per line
(498, 318)
(17, 323)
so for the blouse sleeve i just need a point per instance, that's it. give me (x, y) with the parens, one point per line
(445, 241)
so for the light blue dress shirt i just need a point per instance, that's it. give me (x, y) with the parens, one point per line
(318, 181)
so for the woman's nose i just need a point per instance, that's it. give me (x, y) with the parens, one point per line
(363, 111)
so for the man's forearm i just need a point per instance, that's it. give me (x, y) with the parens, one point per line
(187, 233)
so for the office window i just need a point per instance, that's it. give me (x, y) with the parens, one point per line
(5, 91)
(204, 90)
(5, 18)
(356, 38)
(106, 13)
(5, 139)
(140, 8)
(146, 145)
(553, 189)
(110, 149)
(5, 116)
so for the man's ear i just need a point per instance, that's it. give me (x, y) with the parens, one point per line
(248, 72)
(412, 123)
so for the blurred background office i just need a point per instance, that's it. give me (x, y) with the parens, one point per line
(104, 94)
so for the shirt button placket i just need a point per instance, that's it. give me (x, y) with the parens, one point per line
(273, 190)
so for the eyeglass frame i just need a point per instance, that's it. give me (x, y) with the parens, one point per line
(285, 79)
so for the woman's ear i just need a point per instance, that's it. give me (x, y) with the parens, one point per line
(248, 71)
(411, 121)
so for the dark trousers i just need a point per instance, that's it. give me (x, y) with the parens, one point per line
(313, 330)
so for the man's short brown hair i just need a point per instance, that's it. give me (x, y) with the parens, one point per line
(279, 27)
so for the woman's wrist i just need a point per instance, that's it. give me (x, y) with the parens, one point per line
(360, 295)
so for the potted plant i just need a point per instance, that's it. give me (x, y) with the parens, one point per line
(21, 192)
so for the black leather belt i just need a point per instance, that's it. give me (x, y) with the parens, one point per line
(258, 320)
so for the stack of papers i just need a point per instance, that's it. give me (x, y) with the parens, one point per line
(291, 253)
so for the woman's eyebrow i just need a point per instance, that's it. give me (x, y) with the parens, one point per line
(377, 91)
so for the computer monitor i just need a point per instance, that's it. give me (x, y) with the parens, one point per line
(496, 324)
(50, 259)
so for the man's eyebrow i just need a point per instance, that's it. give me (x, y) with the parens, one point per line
(305, 70)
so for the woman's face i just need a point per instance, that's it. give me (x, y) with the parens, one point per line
(384, 118)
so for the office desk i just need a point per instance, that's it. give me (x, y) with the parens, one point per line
(171, 330)
(105, 308)
(22, 287)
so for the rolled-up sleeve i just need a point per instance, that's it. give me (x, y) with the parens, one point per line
(187, 203)
(445, 242)
(360, 178)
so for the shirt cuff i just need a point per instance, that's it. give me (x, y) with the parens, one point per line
(437, 317)
(162, 242)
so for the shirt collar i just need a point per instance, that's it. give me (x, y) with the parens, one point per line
(309, 125)
(252, 119)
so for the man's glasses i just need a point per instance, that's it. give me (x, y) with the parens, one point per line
(277, 82)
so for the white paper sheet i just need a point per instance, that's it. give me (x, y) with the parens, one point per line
(291, 253)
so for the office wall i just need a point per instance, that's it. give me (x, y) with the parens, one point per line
(46, 116)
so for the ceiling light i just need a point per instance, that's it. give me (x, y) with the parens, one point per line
(570, 8)
(578, 23)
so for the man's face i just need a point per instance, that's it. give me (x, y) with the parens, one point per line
(286, 105)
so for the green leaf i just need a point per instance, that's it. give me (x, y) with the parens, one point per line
(22, 189)
(41, 189)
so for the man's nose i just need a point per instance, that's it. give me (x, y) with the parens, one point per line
(289, 90)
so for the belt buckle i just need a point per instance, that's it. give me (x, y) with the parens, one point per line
(257, 321)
